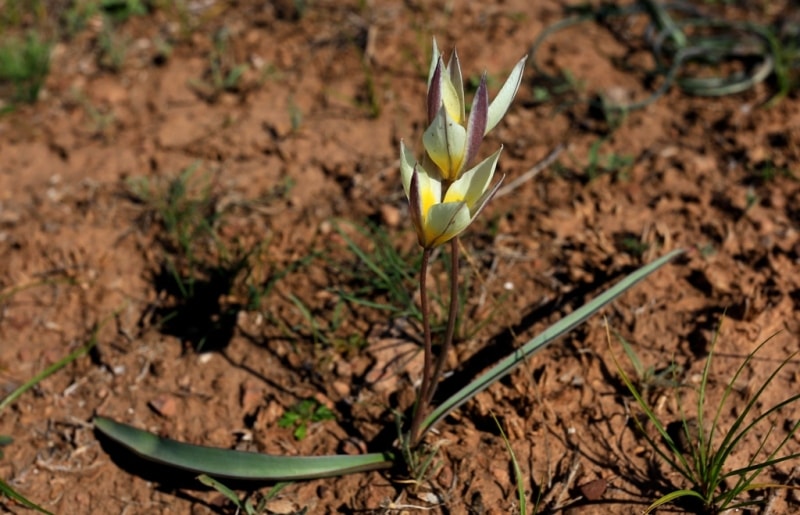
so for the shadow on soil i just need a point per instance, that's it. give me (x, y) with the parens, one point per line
(503, 343)
(197, 313)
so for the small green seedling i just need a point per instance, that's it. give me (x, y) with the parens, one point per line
(4, 441)
(223, 73)
(24, 64)
(649, 378)
(611, 163)
(113, 47)
(120, 10)
(303, 414)
(381, 271)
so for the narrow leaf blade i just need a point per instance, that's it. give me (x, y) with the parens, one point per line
(8, 491)
(232, 464)
(563, 326)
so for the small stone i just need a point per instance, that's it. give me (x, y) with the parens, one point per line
(252, 396)
(390, 215)
(594, 490)
(281, 507)
(344, 368)
(165, 405)
(353, 446)
(342, 388)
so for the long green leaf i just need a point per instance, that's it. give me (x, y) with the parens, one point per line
(566, 324)
(5, 489)
(232, 464)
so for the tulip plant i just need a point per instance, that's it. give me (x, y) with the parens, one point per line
(446, 191)
(444, 194)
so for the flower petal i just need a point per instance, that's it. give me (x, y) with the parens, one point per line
(454, 69)
(475, 209)
(445, 141)
(434, 59)
(476, 127)
(451, 100)
(414, 206)
(429, 190)
(407, 164)
(444, 222)
(502, 101)
(474, 182)
(435, 91)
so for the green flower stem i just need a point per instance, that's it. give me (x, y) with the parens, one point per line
(422, 397)
(452, 316)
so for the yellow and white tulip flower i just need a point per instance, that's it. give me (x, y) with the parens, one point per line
(444, 198)
(440, 215)
(452, 140)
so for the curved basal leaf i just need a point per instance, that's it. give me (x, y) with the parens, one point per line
(232, 464)
(556, 330)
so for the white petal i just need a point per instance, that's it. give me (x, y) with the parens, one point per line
(446, 142)
(451, 100)
(454, 74)
(476, 209)
(474, 182)
(501, 103)
(444, 222)
(407, 162)
(430, 191)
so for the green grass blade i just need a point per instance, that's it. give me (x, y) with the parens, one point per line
(677, 461)
(52, 369)
(670, 497)
(520, 479)
(632, 357)
(5, 488)
(231, 464)
(221, 488)
(318, 336)
(58, 365)
(556, 330)
(734, 434)
(355, 249)
(9, 492)
(367, 303)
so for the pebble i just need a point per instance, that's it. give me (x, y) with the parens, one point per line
(390, 215)
(165, 405)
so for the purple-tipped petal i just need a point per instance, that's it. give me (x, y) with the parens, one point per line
(435, 92)
(415, 206)
(478, 117)
(435, 55)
